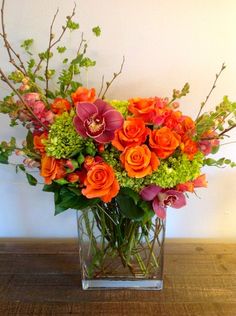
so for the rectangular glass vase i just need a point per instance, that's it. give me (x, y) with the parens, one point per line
(117, 252)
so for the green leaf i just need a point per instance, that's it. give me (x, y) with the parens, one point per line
(215, 149)
(61, 49)
(31, 179)
(27, 45)
(50, 95)
(51, 187)
(66, 198)
(72, 25)
(3, 159)
(30, 141)
(131, 193)
(75, 85)
(61, 181)
(97, 31)
(128, 207)
(77, 60)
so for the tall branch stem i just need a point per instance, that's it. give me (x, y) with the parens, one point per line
(9, 48)
(212, 88)
(51, 36)
(114, 77)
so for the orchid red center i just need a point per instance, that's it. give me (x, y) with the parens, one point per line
(170, 199)
(94, 125)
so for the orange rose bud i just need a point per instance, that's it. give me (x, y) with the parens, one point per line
(133, 132)
(39, 142)
(60, 106)
(72, 177)
(200, 182)
(101, 183)
(139, 161)
(163, 141)
(89, 161)
(143, 108)
(187, 186)
(52, 169)
(189, 147)
(83, 95)
(101, 148)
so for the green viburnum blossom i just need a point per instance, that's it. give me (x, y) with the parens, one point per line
(171, 171)
(63, 140)
(120, 105)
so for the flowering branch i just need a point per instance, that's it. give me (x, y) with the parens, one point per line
(50, 45)
(9, 48)
(115, 75)
(212, 88)
(5, 79)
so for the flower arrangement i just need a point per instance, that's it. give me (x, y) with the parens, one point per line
(128, 160)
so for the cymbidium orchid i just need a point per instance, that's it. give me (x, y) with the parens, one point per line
(162, 198)
(97, 120)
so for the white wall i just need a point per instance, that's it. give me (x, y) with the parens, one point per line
(166, 43)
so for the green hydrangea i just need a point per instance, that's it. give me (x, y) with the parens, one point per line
(171, 171)
(121, 106)
(175, 170)
(63, 140)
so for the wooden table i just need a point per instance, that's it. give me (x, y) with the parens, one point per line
(42, 278)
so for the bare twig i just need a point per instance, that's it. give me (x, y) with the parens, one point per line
(52, 44)
(212, 88)
(51, 36)
(115, 75)
(5, 79)
(9, 48)
(81, 43)
(64, 28)
(226, 130)
(102, 84)
(77, 54)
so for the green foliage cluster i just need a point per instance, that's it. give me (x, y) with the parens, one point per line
(6, 150)
(220, 120)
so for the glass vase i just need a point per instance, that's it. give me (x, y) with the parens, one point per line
(118, 252)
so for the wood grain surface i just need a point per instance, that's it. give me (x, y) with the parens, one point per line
(43, 278)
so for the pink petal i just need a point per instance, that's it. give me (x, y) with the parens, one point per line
(106, 137)
(102, 106)
(158, 209)
(150, 192)
(85, 110)
(180, 198)
(113, 119)
(79, 126)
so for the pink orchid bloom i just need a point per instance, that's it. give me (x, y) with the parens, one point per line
(162, 198)
(97, 120)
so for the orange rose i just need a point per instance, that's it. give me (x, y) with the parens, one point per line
(132, 133)
(39, 142)
(60, 106)
(143, 108)
(163, 141)
(189, 147)
(101, 183)
(52, 169)
(83, 95)
(139, 161)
